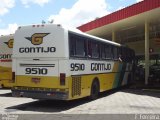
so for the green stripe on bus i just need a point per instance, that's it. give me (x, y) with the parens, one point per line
(117, 77)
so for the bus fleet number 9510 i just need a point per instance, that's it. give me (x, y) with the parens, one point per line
(73, 67)
(93, 66)
(40, 71)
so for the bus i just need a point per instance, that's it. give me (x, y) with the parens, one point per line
(6, 46)
(54, 62)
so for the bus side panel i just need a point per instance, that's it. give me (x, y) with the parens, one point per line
(128, 76)
(116, 78)
(6, 45)
(5, 73)
(123, 74)
(82, 77)
(106, 83)
(6, 77)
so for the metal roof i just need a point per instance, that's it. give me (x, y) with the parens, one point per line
(130, 11)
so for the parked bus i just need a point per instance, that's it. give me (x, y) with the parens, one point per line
(6, 46)
(52, 62)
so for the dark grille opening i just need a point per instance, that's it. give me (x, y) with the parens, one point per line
(76, 86)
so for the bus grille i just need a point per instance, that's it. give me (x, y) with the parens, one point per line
(76, 86)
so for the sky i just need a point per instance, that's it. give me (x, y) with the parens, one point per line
(70, 13)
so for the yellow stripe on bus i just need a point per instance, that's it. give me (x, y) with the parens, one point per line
(6, 77)
(106, 81)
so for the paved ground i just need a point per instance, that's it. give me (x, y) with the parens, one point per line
(126, 101)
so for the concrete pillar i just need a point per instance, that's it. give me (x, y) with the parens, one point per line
(113, 36)
(146, 52)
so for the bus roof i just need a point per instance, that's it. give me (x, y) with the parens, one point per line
(94, 37)
(74, 30)
(9, 35)
(77, 31)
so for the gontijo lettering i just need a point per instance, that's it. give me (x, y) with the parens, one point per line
(37, 39)
(5, 56)
(37, 50)
(100, 66)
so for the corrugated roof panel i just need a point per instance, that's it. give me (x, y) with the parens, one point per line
(129, 11)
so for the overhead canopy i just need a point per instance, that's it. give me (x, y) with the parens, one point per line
(129, 17)
(137, 26)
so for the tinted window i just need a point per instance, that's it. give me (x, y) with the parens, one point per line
(72, 46)
(77, 46)
(103, 51)
(93, 49)
(80, 48)
(106, 51)
(115, 53)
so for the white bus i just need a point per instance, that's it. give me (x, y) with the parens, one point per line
(6, 45)
(51, 62)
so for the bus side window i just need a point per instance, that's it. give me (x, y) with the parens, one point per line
(128, 55)
(72, 46)
(80, 47)
(77, 46)
(124, 54)
(133, 56)
(115, 53)
(103, 51)
(95, 50)
(89, 49)
(108, 52)
(111, 51)
(120, 54)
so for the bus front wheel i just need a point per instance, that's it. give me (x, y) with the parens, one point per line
(94, 90)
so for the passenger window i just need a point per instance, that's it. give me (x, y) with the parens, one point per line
(89, 49)
(129, 55)
(115, 53)
(106, 52)
(72, 46)
(93, 49)
(123, 54)
(109, 52)
(103, 55)
(80, 48)
(77, 46)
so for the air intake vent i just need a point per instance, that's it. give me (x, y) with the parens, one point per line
(76, 86)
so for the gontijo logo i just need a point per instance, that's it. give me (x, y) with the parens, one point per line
(37, 38)
(9, 43)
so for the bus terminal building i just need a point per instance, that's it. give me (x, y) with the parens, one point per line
(136, 26)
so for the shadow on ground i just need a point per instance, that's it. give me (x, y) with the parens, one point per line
(54, 105)
(49, 105)
(60, 106)
(7, 94)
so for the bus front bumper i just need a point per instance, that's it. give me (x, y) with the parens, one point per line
(55, 95)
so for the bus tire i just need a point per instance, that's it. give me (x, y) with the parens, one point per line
(94, 90)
